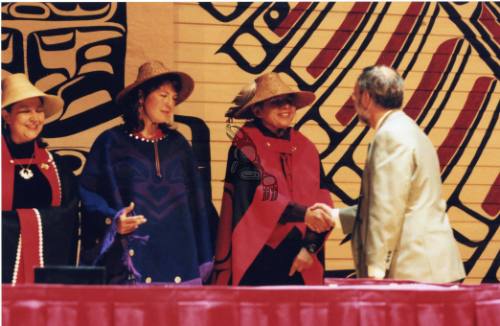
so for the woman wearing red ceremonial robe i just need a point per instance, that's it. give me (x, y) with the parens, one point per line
(39, 191)
(268, 233)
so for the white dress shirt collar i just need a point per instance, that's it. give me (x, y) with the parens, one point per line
(383, 118)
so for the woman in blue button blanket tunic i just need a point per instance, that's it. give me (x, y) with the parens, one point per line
(146, 214)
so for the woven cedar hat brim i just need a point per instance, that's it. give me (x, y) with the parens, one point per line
(156, 70)
(269, 86)
(17, 87)
(300, 100)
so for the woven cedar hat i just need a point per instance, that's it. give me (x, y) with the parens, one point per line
(17, 87)
(153, 70)
(266, 87)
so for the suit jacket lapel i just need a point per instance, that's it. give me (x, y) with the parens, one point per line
(361, 223)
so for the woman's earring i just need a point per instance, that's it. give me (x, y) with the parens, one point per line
(231, 129)
(140, 106)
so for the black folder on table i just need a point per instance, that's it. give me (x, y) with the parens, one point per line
(70, 274)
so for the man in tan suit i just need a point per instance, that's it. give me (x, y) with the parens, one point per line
(400, 229)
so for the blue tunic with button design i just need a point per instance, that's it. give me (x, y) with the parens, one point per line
(174, 245)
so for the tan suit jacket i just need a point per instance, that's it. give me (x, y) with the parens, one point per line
(402, 228)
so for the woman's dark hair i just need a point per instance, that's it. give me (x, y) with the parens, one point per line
(6, 130)
(131, 103)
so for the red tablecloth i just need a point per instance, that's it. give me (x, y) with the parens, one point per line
(343, 302)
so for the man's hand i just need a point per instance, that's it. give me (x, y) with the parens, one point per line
(127, 224)
(318, 219)
(303, 261)
(331, 213)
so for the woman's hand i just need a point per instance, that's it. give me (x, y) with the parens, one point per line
(318, 220)
(303, 261)
(127, 224)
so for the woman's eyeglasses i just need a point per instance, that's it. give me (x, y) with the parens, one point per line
(280, 101)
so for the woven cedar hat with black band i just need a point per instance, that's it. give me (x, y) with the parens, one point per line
(156, 70)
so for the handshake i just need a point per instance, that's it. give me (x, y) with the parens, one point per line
(319, 218)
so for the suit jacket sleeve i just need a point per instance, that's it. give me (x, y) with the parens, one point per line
(390, 170)
(347, 217)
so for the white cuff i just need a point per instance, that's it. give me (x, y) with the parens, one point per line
(376, 272)
(334, 213)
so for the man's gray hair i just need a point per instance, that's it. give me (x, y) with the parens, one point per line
(383, 84)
